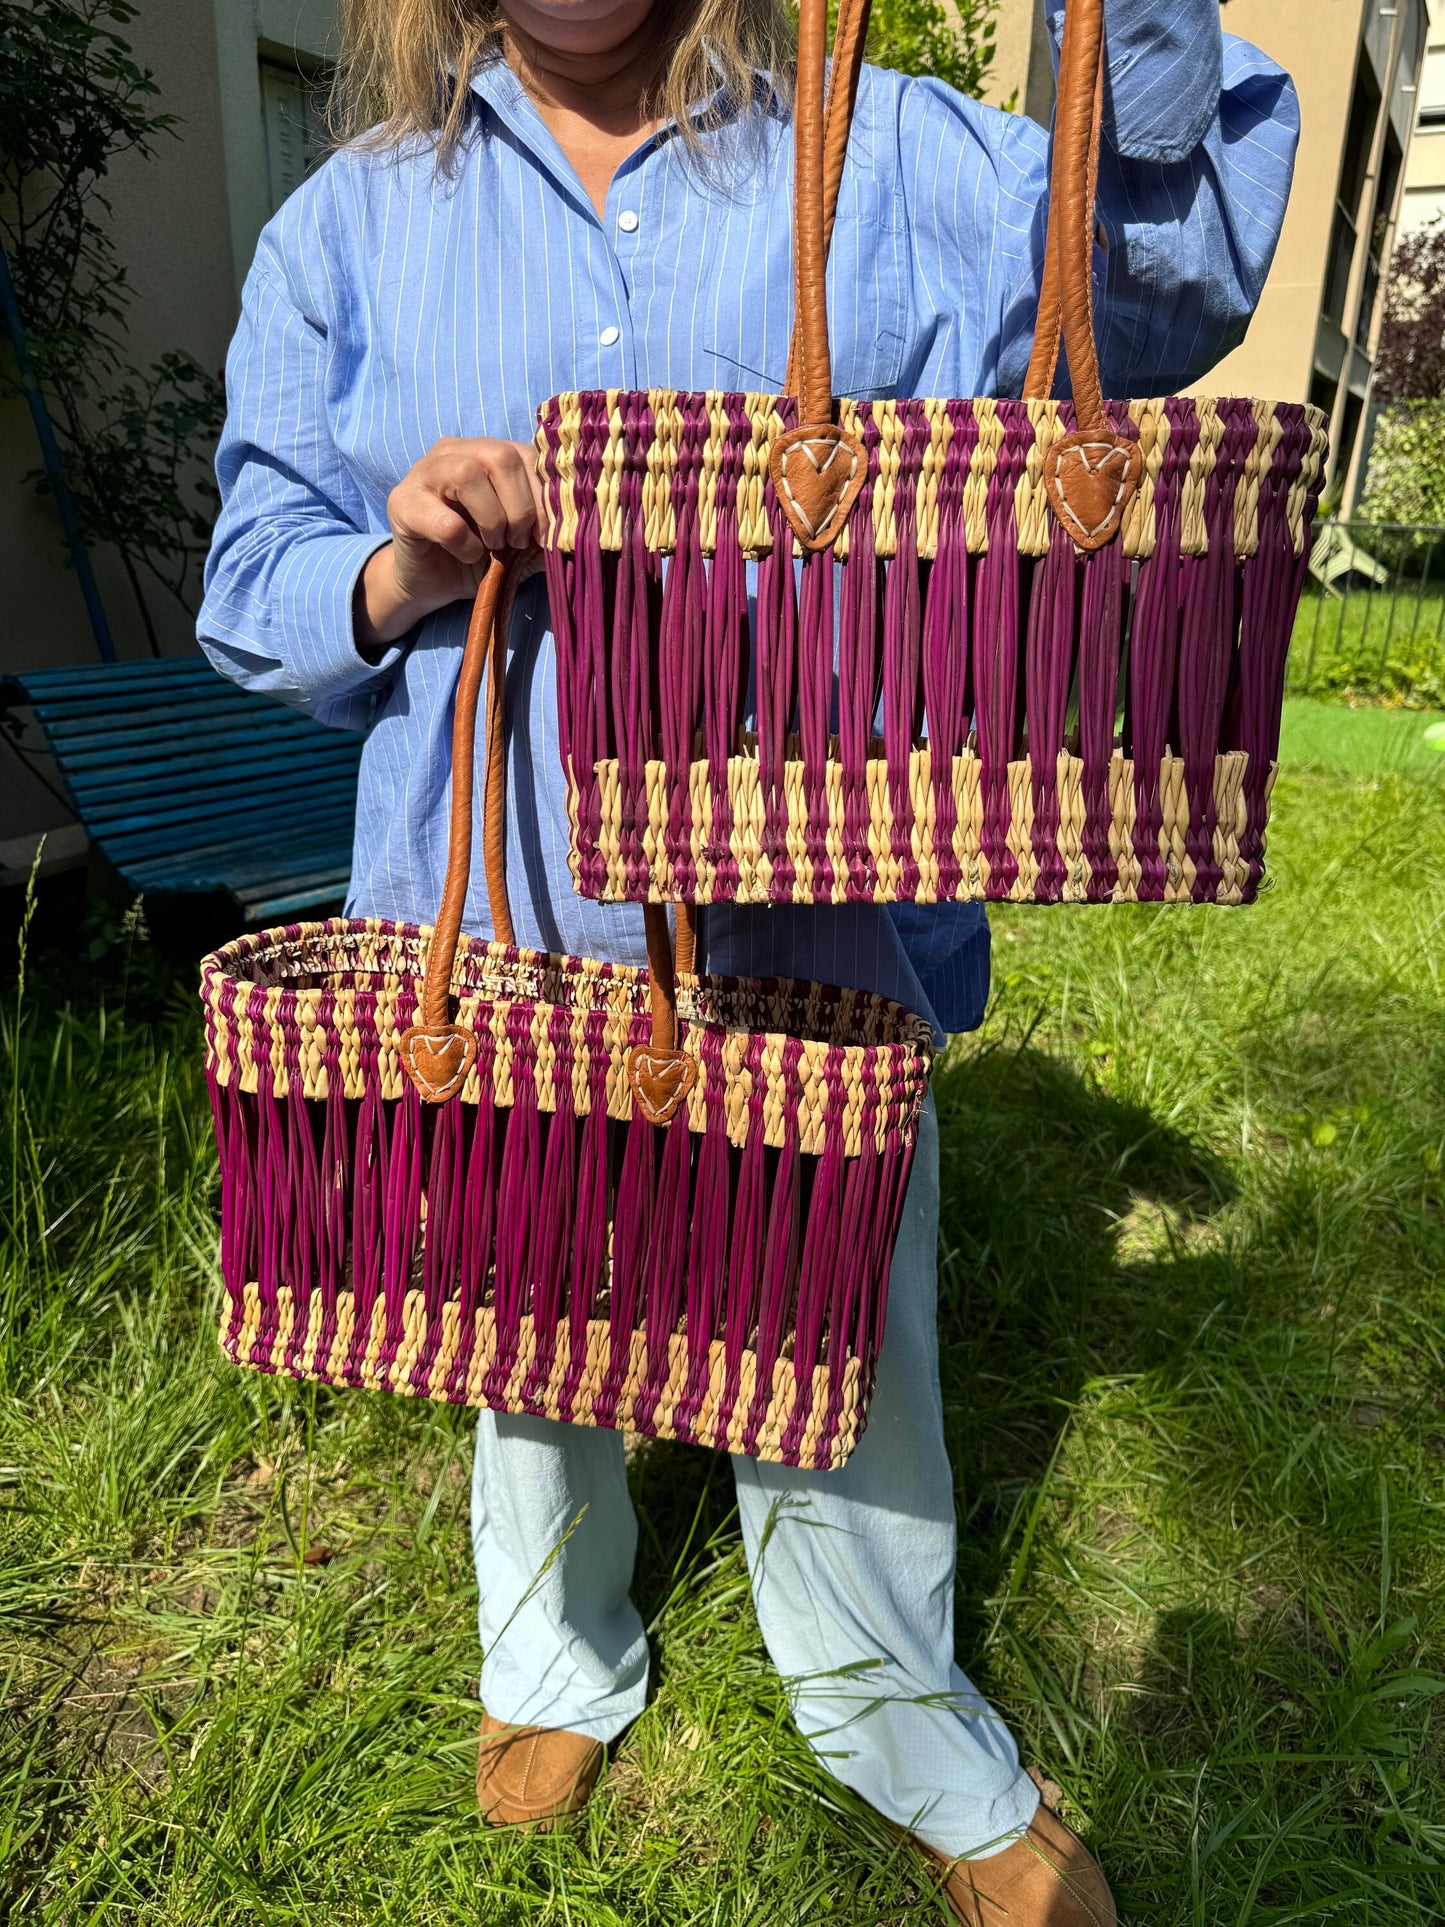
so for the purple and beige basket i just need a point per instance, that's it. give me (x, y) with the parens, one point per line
(477, 1173)
(1023, 649)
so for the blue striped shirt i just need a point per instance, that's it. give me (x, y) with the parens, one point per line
(390, 306)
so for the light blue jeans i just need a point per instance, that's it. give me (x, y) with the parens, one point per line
(850, 1570)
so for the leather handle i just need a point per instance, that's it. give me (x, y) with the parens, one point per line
(818, 468)
(1091, 474)
(810, 262)
(483, 661)
(822, 145)
(1048, 329)
(1066, 299)
(849, 37)
(437, 1053)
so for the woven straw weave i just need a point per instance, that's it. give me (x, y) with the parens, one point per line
(952, 703)
(463, 1251)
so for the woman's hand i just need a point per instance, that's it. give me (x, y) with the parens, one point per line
(462, 501)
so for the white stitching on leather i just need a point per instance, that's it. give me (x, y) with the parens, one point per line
(1082, 449)
(640, 1061)
(837, 445)
(426, 1085)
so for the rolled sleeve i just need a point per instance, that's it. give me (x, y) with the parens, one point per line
(292, 538)
(1165, 72)
(1194, 179)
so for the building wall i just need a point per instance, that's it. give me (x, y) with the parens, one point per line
(1022, 75)
(1315, 41)
(185, 225)
(1330, 256)
(1356, 64)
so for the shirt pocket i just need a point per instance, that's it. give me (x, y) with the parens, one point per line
(869, 303)
(869, 292)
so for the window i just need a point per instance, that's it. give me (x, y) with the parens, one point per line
(1432, 89)
(1391, 163)
(1343, 438)
(291, 103)
(1337, 266)
(1359, 139)
(1414, 35)
(1323, 391)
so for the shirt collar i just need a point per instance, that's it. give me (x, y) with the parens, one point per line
(499, 88)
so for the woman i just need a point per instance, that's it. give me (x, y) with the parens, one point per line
(570, 194)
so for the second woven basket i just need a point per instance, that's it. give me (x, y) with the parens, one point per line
(470, 1172)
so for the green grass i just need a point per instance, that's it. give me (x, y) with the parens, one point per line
(1193, 1324)
(1373, 742)
(1381, 645)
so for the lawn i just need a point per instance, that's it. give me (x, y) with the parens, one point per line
(1385, 643)
(1193, 1329)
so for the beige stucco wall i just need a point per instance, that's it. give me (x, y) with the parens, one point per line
(1424, 200)
(1022, 71)
(1315, 41)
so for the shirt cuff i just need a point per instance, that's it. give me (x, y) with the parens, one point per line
(313, 597)
(1166, 69)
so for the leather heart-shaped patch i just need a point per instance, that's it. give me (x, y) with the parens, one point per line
(437, 1060)
(660, 1080)
(817, 473)
(1091, 480)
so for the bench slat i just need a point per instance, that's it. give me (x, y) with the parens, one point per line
(190, 784)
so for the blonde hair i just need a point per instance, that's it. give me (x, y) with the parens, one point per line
(406, 65)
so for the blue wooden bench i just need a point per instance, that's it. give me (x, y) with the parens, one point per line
(189, 785)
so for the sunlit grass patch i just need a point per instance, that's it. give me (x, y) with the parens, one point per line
(1193, 1340)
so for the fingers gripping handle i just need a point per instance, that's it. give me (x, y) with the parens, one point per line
(437, 1053)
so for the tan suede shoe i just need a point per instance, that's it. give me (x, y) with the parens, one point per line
(1047, 1879)
(530, 1776)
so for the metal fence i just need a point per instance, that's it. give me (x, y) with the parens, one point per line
(1372, 619)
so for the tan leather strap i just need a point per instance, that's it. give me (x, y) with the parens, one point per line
(1044, 361)
(662, 985)
(810, 258)
(822, 145)
(436, 1053)
(849, 37)
(484, 632)
(1066, 299)
(819, 467)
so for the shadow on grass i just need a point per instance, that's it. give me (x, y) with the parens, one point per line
(1044, 1182)
(1048, 1186)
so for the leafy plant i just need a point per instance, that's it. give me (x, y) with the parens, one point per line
(1399, 682)
(953, 42)
(1410, 360)
(73, 100)
(1406, 481)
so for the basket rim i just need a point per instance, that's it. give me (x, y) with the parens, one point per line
(902, 1029)
(1314, 415)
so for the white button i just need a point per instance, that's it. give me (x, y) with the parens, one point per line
(608, 336)
(627, 221)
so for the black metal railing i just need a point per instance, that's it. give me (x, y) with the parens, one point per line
(1371, 622)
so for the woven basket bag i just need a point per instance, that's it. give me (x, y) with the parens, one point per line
(1071, 617)
(598, 1194)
